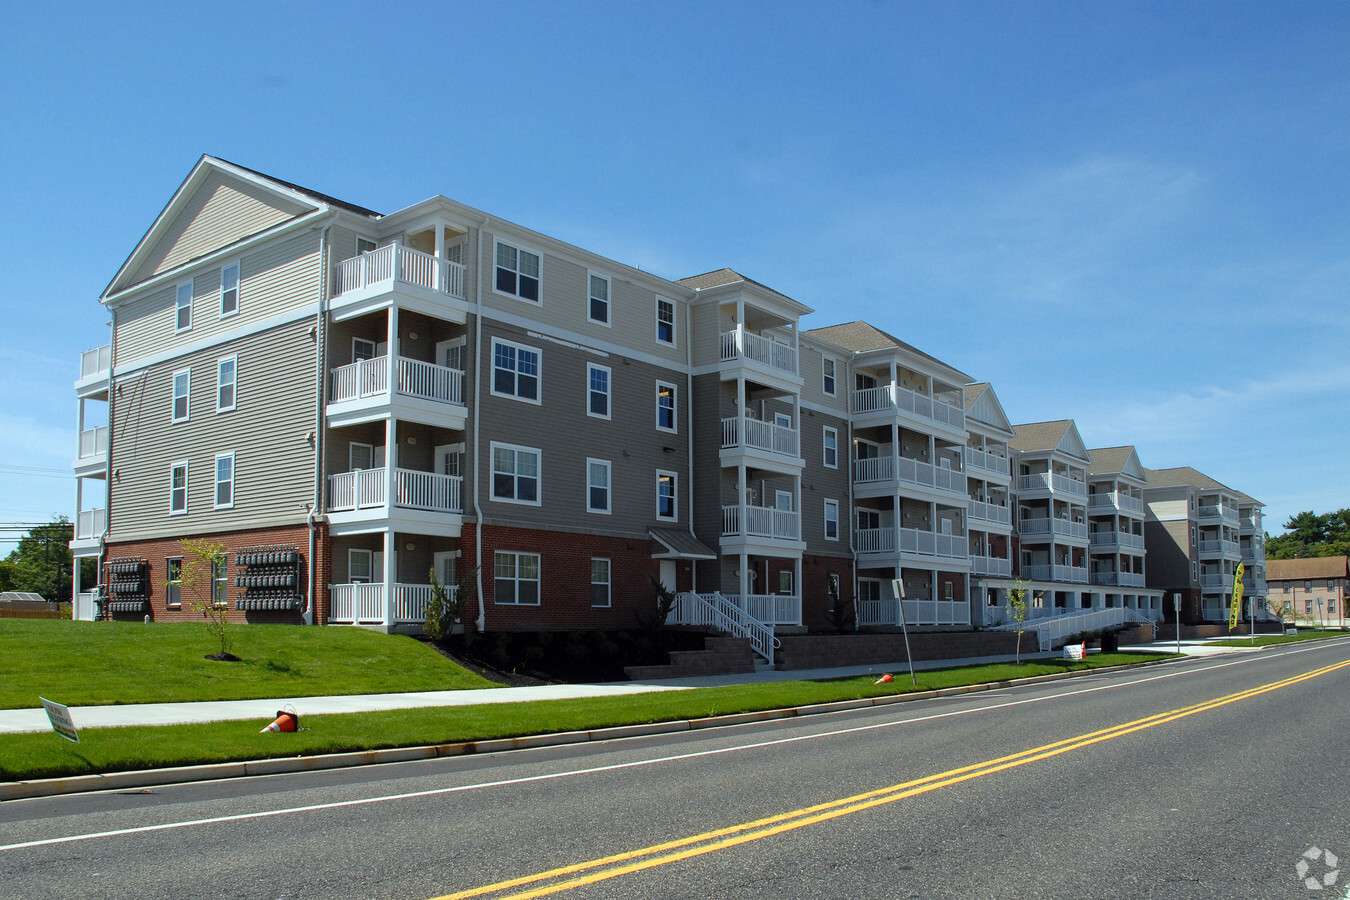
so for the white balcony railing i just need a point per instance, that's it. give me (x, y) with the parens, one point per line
(916, 612)
(1216, 582)
(1119, 579)
(990, 512)
(908, 471)
(761, 521)
(90, 524)
(1115, 500)
(414, 378)
(744, 432)
(366, 489)
(1059, 484)
(1223, 513)
(1046, 572)
(893, 398)
(96, 362)
(1220, 548)
(742, 344)
(397, 263)
(989, 462)
(1029, 527)
(990, 565)
(1123, 539)
(94, 442)
(912, 541)
(372, 604)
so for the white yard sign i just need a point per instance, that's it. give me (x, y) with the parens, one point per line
(60, 719)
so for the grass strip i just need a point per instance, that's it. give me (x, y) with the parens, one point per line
(46, 755)
(1265, 640)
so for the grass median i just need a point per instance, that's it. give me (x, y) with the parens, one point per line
(46, 755)
(1265, 640)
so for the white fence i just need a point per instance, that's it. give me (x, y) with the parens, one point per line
(94, 442)
(1054, 629)
(717, 611)
(90, 524)
(372, 604)
(95, 362)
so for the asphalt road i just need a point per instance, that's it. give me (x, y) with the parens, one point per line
(1202, 778)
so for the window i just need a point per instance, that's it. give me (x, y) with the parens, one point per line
(219, 581)
(832, 588)
(226, 378)
(360, 566)
(599, 581)
(178, 483)
(665, 321)
(517, 272)
(666, 507)
(827, 377)
(597, 391)
(173, 588)
(516, 578)
(515, 371)
(229, 290)
(183, 320)
(182, 384)
(224, 480)
(1331, 606)
(364, 245)
(598, 311)
(1307, 606)
(515, 474)
(784, 581)
(947, 592)
(363, 349)
(831, 448)
(665, 406)
(831, 520)
(1307, 585)
(597, 485)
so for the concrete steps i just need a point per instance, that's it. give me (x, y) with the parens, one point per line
(719, 656)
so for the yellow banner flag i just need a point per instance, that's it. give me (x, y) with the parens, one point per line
(1237, 599)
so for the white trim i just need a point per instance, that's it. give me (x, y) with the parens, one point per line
(608, 486)
(539, 277)
(233, 360)
(608, 321)
(831, 504)
(516, 579)
(357, 552)
(674, 407)
(834, 363)
(173, 468)
(178, 305)
(674, 495)
(517, 449)
(825, 446)
(238, 285)
(217, 481)
(608, 393)
(608, 582)
(187, 396)
(538, 375)
(674, 331)
(305, 313)
(171, 583)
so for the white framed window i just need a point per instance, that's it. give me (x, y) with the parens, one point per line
(227, 380)
(600, 579)
(665, 321)
(183, 307)
(360, 566)
(173, 582)
(665, 407)
(224, 480)
(597, 485)
(220, 580)
(831, 451)
(597, 391)
(515, 578)
(831, 520)
(515, 474)
(365, 245)
(827, 377)
(667, 506)
(364, 349)
(182, 389)
(178, 489)
(597, 309)
(785, 581)
(515, 371)
(517, 272)
(229, 290)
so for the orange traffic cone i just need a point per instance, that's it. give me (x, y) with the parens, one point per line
(286, 720)
(884, 679)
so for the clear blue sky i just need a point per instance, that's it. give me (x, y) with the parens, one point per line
(1129, 214)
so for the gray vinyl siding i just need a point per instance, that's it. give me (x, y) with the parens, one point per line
(707, 459)
(811, 367)
(560, 429)
(268, 431)
(820, 484)
(221, 211)
(280, 277)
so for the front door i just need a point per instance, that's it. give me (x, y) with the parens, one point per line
(667, 574)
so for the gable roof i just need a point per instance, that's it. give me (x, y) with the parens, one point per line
(1312, 567)
(982, 405)
(863, 337)
(1184, 476)
(1060, 435)
(1117, 461)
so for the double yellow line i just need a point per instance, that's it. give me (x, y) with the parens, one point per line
(567, 877)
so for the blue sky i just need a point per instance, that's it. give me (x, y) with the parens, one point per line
(1129, 214)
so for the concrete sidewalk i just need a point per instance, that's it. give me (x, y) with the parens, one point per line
(14, 721)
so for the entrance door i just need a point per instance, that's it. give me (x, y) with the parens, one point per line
(667, 574)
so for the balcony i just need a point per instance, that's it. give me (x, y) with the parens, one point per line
(92, 461)
(410, 390)
(1045, 526)
(754, 354)
(1114, 500)
(1046, 572)
(90, 524)
(1116, 540)
(1250, 524)
(1045, 482)
(916, 612)
(986, 461)
(422, 282)
(990, 513)
(1216, 515)
(95, 371)
(894, 400)
(425, 502)
(1211, 582)
(890, 542)
(1220, 548)
(769, 443)
(761, 522)
(1118, 579)
(379, 604)
(889, 471)
(990, 565)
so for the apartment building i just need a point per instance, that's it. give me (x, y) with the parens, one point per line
(989, 458)
(1311, 591)
(1116, 548)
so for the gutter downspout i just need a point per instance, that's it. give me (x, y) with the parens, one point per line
(108, 468)
(689, 405)
(477, 406)
(320, 351)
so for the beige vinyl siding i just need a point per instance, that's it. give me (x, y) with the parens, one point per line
(708, 326)
(267, 431)
(274, 279)
(820, 483)
(811, 367)
(708, 399)
(221, 211)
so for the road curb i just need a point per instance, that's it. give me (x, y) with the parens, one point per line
(141, 778)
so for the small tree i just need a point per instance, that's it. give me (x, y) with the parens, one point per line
(665, 604)
(841, 610)
(198, 577)
(1019, 609)
(446, 608)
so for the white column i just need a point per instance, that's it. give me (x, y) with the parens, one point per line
(390, 575)
(390, 460)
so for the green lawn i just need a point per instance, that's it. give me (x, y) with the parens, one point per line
(1264, 640)
(98, 663)
(46, 755)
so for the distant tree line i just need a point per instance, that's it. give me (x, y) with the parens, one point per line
(42, 563)
(1309, 534)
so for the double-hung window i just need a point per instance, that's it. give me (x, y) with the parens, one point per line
(360, 566)
(515, 474)
(224, 480)
(219, 581)
(665, 406)
(515, 371)
(178, 489)
(516, 578)
(227, 376)
(597, 485)
(229, 290)
(182, 386)
(831, 448)
(597, 391)
(173, 577)
(598, 307)
(600, 578)
(666, 505)
(827, 383)
(665, 321)
(183, 307)
(831, 520)
(517, 272)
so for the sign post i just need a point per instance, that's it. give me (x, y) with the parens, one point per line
(898, 585)
(1176, 619)
(59, 716)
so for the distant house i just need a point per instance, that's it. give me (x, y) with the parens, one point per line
(1309, 589)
